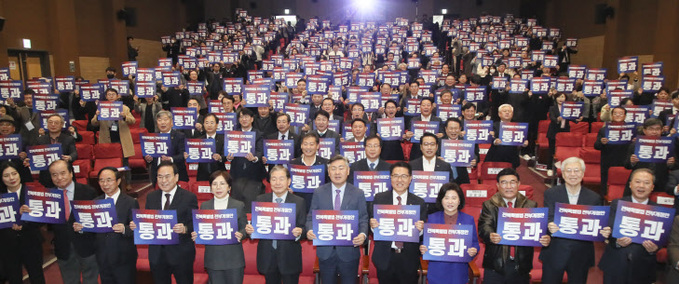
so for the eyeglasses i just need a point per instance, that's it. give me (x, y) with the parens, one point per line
(400, 176)
(505, 183)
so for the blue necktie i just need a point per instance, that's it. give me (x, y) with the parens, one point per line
(274, 244)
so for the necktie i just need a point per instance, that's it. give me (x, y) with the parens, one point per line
(454, 170)
(53, 140)
(512, 249)
(338, 200)
(372, 168)
(67, 206)
(398, 245)
(274, 244)
(167, 201)
(283, 137)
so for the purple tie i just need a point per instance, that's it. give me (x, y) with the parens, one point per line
(338, 200)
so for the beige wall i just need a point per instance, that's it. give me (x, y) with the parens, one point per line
(149, 52)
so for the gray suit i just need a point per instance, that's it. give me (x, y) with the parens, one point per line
(226, 263)
(339, 259)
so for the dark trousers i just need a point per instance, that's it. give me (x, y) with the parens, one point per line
(118, 273)
(229, 276)
(511, 275)
(31, 258)
(331, 267)
(399, 271)
(162, 271)
(577, 270)
(274, 276)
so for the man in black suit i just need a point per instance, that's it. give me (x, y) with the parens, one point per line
(8, 127)
(372, 162)
(116, 253)
(168, 260)
(206, 169)
(176, 151)
(321, 123)
(74, 251)
(248, 171)
(310, 145)
(55, 136)
(398, 262)
(574, 257)
(284, 132)
(426, 107)
(431, 163)
(623, 261)
(281, 260)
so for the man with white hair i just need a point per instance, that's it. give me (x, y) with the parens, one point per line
(503, 153)
(574, 257)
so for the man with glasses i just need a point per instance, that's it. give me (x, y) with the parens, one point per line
(248, 171)
(503, 263)
(339, 195)
(429, 162)
(372, 161)
(398, 262)
(55, 136)
(574, 257)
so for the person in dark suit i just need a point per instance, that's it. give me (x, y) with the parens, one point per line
(29, 121)
(339, 195)
(224, 263)
(372, 161)
(284, 133)
(395, 151)
(169, 260)
(454, 131)
(176, 153)
(503, 263)
(623, 261)
(652, 128)
(672, 188)
(210, 123)
(574, 257)
(55, 136)
(22, 243)
(610, 153)
(248, 171)
(321, 121)
(397, 262)
(431, 163)
(310, 145)
(503, 153)
(673, 253)
(281, 260)
(116, 253)
(557, 124)
(426, 108)
(450, 201)
(358, 130)
(198, 128)
(8, 127)
(75, 252)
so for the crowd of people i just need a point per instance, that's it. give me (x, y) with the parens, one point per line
(418, 69)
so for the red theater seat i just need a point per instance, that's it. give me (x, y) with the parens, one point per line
(489, 171)
(617, 179)
(106, 155)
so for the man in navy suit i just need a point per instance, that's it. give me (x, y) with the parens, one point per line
(248, 171)
(398, 262)
(372, 162)
(175, 153)
(74, 251)
(623, 261)
(116, 253)
(429, 162)
(281, 260)
(339, 195)
(565, 255)
(168, 260)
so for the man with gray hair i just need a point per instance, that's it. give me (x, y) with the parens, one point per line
(503, 153)
(574, 257)
(176, 151)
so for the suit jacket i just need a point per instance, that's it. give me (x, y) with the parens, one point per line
(26, 114)
(673, 253)
(672, 182)
(634, 260)
(183, 202)
(330, 134)
(451, 272)
(416, 152)
(224, 257)
(382, 253)
(123, 131)
(289, 252)
(555, 125)
(206, 169)
(177, 148)
(353, 199)
(15, 243)
(64, 234)
(362, 165)
(140, 108)
(115, 248)
(291, 136)
(560, 250)
(242, 168)
(442, 166)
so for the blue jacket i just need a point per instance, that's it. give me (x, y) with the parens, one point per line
(451, 272)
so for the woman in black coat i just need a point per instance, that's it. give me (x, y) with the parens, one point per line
(22, 243)
(611, 154)
(557, 124)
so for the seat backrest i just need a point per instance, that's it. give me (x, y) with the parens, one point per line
(582, 127)
(135, 134)
(250, 250)
(88, 137)
(199, 263)
(526, 190)
(81, 168)
(589, 139)
(618, 175)
(543, 126)
(202, 190)
(590, 156)
(569, 139)
(80, 125)
(595, 126)
(108, 150)
(108, 162)
(308, 258)
(84, 151)
(489, 170)
(476, 194)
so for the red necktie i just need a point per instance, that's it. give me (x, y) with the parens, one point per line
(399, 245)
(512, 249)
(67, 206)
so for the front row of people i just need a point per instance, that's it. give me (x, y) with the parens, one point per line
(112, 256)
